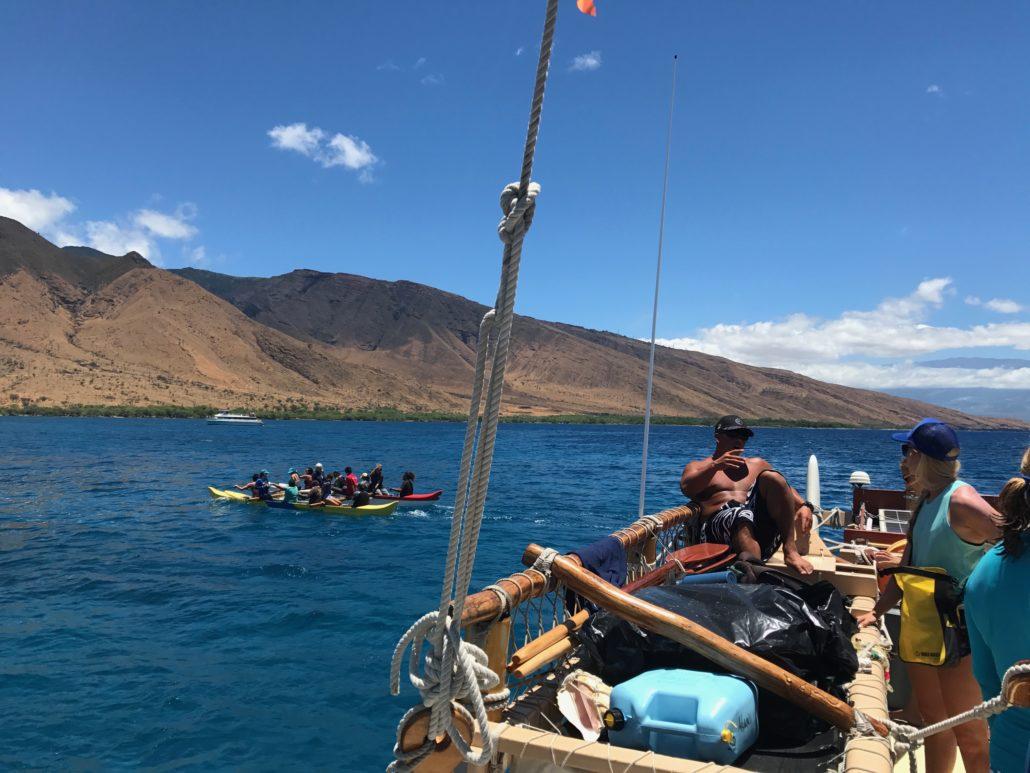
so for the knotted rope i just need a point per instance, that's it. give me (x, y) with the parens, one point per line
(452, 669)
(907, 738)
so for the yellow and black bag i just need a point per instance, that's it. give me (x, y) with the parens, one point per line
(933, 630)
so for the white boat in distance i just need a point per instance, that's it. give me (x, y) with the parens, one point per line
(234, 418)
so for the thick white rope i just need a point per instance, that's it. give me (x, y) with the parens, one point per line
(450, 668)
(907, 738)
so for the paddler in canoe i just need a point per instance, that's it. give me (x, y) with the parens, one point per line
(407, 485)
(320, 494)
(375, 480)
(259, 487)
(745, 503)
(290, 489)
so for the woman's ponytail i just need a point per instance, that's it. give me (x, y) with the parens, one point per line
(1014, 504)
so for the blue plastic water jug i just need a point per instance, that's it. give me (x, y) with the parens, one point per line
(688, 714)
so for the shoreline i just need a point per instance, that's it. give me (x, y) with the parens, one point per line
(391, 414)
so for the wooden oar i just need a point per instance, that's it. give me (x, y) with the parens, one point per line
(699, 639)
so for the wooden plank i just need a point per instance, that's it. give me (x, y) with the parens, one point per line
(577, 754)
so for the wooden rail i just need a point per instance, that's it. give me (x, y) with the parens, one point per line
(486, 605)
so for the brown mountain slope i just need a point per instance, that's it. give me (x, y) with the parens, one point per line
(410, 329)
(21, 247)
(146, 336)
(78, 326)
(149, 337)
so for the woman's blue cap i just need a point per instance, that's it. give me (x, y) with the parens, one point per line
(931, 437)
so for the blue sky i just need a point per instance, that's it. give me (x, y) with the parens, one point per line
(828, 157)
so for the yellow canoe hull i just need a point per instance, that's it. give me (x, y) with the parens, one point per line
(238, 496)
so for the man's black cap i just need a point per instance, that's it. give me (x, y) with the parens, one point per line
(732, 423)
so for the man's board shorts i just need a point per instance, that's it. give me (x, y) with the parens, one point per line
(721, 525)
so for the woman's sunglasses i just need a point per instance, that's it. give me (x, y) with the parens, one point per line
(906, 449)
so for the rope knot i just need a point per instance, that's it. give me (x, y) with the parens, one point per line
(543, 562)
(518, 211)
(456, 671)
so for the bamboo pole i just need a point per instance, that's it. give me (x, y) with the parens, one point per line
(688, 633)
(555, 635)
(542, 658)
(498, 636)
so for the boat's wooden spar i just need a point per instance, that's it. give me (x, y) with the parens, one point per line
(712, 646)
(485, 605)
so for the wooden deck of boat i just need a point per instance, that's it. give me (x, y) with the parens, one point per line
(546, 750)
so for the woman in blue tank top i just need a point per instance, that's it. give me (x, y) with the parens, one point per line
(998, 614)
(950, 528)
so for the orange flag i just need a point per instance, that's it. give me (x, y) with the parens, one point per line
(587, 7)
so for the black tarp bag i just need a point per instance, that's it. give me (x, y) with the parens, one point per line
(804, 629)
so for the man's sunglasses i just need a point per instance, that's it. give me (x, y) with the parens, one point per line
(739, 434)
(906, 449)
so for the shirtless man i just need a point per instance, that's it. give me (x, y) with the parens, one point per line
(745, 503)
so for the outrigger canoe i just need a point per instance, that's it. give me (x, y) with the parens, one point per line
(384, 509)
(237, 496)
(413, 499)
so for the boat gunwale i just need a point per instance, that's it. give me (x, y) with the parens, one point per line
(486, 605)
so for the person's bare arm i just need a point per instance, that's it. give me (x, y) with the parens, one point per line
(971, 518)
(697, 476)
(802, 513)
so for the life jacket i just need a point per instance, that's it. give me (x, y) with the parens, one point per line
(261, 489)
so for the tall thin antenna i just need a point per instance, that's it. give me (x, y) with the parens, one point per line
(657, 284)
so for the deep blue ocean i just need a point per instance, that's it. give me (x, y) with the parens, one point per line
(144, 625)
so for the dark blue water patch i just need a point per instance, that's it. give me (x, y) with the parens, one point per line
(146, 625)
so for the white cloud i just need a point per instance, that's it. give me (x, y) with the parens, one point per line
(388, 66)
(1000, 305)
(298, 137)
(165, 226)
(909, 374)
(338, 150)
(197, 256)
(586, 62)
(350, 152)
(433, 79)
(419, 63)
(520, 51)
(896, 329)
(34, 209)
(139, 232)
(115, 239)
(1003, 306)
(933, 88)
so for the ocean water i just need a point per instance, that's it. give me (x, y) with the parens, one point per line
(145, 625)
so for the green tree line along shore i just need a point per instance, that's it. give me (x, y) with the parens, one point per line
(374, 414)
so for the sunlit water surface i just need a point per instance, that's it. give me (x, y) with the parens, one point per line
(145, 625)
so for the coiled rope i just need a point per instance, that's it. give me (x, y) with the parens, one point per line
(455, 670)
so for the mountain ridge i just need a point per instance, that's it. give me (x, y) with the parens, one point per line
(81, 327)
